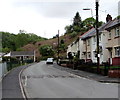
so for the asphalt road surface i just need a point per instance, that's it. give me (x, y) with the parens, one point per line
(45, 81)
(10, 85)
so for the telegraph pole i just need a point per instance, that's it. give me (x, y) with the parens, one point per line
(97, 34)
(58, 47)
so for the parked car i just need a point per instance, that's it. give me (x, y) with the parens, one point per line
(49, 61)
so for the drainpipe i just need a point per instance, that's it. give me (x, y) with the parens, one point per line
(86, 49)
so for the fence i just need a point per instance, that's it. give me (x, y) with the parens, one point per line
(88, 66)
(7, 66)
(3, 69)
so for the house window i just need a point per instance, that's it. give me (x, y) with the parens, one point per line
(84, 54)
(117, 51)
(109, 35)
(117, 32)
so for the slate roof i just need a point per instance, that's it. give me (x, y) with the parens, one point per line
(104, 26)
(115, 22)
(88, 33)
(92, 31)
(22, 53)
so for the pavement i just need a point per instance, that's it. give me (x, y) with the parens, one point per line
(92, 76)
(10, 84)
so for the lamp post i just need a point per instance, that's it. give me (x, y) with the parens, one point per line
(97, 34)
(90, 10)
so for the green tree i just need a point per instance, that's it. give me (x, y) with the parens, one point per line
(88, 23)
(76, 25)
(77, 20)
(19, 49)
(8, 40)
(22, 39)
(62, 45)
(118, 17)
(6, 50)
(46, 50)
(73, 34)
(14, 42)
(68, 29)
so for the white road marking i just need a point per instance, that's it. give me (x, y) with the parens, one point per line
(25, 81)
(21, 84)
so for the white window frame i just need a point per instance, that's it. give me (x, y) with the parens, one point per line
(117, 32)
(117, 51)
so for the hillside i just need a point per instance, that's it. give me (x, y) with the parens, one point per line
(52, 42)
(30, 41)
(72, 32)
(14, 42)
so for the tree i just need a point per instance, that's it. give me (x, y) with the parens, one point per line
(14, 42)
(46, 50)
(76, 26)
(77, 20)
(5, 50)
(69, 29)
(62, 45)
(73, 34)
(118, 17)
(90, 22)
(62, 41)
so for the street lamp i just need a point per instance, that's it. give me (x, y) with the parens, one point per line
(90, 10)
(97, 34)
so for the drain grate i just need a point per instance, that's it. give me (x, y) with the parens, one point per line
(49, 76)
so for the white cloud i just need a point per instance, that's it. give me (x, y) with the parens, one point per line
(45, 17)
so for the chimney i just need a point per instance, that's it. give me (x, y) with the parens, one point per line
(108, 18)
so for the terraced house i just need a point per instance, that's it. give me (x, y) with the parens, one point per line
(109, 43)
(113, 41)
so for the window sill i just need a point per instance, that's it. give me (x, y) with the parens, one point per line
(109, 39)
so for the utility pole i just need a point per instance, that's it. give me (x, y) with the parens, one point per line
(58, 47)
(97, 34)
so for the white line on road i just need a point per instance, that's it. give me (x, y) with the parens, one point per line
(20, 82)
(25, 84)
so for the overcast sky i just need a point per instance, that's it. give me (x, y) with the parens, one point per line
(45, 17)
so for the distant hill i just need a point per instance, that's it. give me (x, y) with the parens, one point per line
(14, 42)
(52, 42)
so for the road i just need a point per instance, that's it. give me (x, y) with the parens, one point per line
(46, 81)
